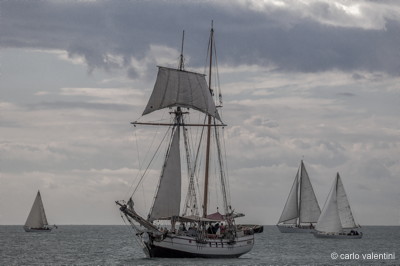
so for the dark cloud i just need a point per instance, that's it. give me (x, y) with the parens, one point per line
(358, 76)
(292, 42)
(56, 105)
(347, 94)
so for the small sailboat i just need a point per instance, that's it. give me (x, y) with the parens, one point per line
(337, 220)
(37, 221)
(210, 235)
(301, 210)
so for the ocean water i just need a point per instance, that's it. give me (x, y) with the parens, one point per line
(115, 245)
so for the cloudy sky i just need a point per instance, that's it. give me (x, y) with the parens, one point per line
(313, 80)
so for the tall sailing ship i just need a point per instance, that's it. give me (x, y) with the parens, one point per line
(301, 211)
(337, 220)
(189, 234)
(37, 221)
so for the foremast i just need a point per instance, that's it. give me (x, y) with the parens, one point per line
(207, 169)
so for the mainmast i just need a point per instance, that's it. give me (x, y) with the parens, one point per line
(181, 62)
(205, 198)
(300, 180)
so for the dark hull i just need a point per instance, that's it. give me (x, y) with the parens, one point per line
(174, 246)
(38, 230)
(258, 229)
(337, 236)
(161, 252)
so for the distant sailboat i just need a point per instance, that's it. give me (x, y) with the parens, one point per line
(37, 221)
(301, 210)
(336, 220)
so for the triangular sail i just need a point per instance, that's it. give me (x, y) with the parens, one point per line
(329, 220)
(37, 216)
(168, 197)
(346, 216)
(291, 210)
(175, 87)
(309, 208)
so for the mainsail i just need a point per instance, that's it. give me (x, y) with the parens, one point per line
(181, 88)
(336, 214)
(291, 211)
(37, 217)
(301, 205)
(309, 208)
(168, 197)
(346, 216)
(329, 220)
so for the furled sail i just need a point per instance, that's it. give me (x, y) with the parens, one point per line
(168, 197)
(329, 220)
(175, 87)
(309, 208)
(345, 214)
(37, 217)
(291, 210)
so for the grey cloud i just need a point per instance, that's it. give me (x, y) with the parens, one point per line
(74, 105)
(347, 94)
(97, 29)
(358, 76)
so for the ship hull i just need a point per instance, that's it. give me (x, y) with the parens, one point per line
(188, 247)
(336, 235)
(38, 230)
(295, 229)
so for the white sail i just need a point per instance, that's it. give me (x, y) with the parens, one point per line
(168, 197)
(345, 214)
(181, 88)
(291, 210)
(37, 217)
(309, 208)
(329, 220)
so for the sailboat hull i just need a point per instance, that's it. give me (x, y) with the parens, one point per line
(295, 229)
(337, 235)
(187, 247)
(38, 230)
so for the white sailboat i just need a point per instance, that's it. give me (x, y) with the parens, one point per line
(336, 220)
(301, 210)
(37, 221)
(208, 235)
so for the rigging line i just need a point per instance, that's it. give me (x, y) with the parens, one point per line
(221, 167)
(207, 54)
(140, 165)
(133, 230)
(218, 94)
(226, 168)
(216, 160)
(197, 162)
(166, 133)
(145, 157)
(138, 173)
(189, 194)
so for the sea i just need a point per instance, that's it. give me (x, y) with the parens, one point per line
(116, 245)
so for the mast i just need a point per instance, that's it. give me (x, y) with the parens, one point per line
(300, 181)
(181, 63)
(205, 198)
